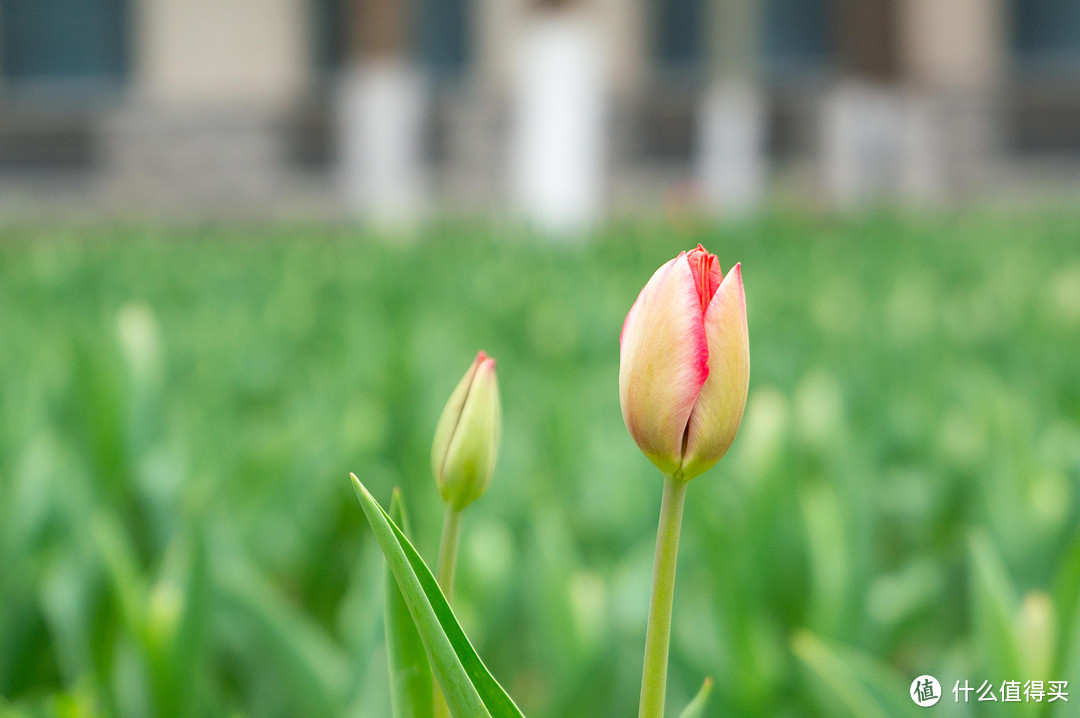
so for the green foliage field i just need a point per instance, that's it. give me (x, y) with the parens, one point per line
(179, 411)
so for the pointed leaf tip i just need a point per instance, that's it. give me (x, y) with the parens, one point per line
(696, 707)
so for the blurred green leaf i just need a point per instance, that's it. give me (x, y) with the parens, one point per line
(410, 674)
(995, 606)
(182, 652)
(121, 565)
(828, 552)
(865, 688)
(1037, 627)
(66, 594)
(1066, 596)
(469, 688)
(696, 707)
(1015, 640)
(311, 666)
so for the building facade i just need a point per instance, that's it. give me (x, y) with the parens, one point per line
(133, 106)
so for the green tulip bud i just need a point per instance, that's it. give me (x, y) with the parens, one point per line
(467, 436)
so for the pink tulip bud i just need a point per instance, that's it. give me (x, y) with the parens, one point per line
(467, 436)
(685, 364)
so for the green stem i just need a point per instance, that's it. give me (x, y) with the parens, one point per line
(658, 633)
(444, 574)
(448, 552)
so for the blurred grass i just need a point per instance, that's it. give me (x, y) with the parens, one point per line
(179, 410)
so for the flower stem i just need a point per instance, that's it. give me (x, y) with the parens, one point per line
(448, 551)
(658, 633)
(444, 574)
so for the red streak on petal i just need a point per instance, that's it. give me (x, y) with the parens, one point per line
(705, 270)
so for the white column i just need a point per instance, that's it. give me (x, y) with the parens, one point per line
(884, 143)
(381, 114)
(862, 124)
(732, 164)
(558, 117)
(862, 120)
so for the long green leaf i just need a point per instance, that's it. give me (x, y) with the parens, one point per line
(313, 669)
(470, 690)
(995, 606)
(1067, 602)
(410, 674)
(864, 687)
(696, 707)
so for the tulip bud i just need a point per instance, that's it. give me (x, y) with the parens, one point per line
(467, 436)
(684, 364)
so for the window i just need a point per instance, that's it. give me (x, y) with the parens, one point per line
(60, 40)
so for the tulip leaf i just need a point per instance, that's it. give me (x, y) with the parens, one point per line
(410, 674)
(696, 707)
(469, 689)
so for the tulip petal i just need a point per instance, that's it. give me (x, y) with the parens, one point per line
(719, 407)
(451, 416)
(716, 277)
(663, 363)
(707, 274)
(470, 456)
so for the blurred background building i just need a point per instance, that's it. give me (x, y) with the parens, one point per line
(560, 111)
